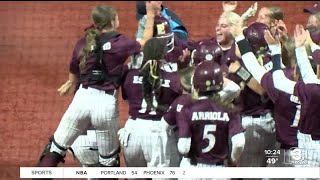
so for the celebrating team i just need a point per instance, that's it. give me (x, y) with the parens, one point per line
(217, 102)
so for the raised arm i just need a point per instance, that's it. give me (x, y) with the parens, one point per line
(247, 56)
(249, 59)
(280, 81)
(230, 90)
(148, 31)
(302, 36)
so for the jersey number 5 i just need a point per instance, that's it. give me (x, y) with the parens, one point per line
(207, 134)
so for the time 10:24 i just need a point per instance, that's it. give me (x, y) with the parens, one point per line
(272, 152)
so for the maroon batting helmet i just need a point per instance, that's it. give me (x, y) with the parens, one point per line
(208, 77)
(255, 35)
(161, 29)
(207, 50)
(312, 9)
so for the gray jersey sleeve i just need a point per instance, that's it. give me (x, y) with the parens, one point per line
(251, 63)
(282, 83)
(307, 73)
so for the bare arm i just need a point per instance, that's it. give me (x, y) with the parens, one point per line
(64, 89)
(280, 81)
(301, 36)
(246, 76)
(254, 85)
(249, 59)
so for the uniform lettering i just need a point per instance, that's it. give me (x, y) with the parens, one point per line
(215, 116)
(179, 107)
(137, 79)
(294, 99)
(161, 29)
(165, 83)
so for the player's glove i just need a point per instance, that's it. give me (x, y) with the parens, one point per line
(64, 89)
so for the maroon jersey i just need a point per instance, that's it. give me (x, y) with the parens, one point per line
(209, 127)
(75, 59)
(285, 110)
(248, 101)
(176, 107)
(309, 97)
(251, 102)
(132, 91)
(114, 57)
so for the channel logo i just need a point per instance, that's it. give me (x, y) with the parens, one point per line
(296, 156)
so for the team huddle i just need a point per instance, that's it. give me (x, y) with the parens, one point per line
(218, 102)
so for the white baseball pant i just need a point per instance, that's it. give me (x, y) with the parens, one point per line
(260, 136)
(90, 106)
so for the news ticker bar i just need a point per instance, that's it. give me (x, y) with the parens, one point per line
(144, 172)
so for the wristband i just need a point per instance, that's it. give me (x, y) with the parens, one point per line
(244, 46)
(244, 74)
(276, 62)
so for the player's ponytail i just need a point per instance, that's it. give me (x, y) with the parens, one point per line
(215, 97)
(229, 106)
(185, 76)
(154, 51)
(102, 16)
(91, 35)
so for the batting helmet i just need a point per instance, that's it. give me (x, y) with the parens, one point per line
(208, 77)
(161, 29)
(207, 50)
(255, 35)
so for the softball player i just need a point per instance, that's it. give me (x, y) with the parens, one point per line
(84, 149)
(307, 92)
(206, 125)
(178, 49)
(95, 102)
(169, 118)
(206, 50)
(286, 133)
(177, 26)
(149, 92)
(255, 107)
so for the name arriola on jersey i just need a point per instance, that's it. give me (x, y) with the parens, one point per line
(212, 116)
